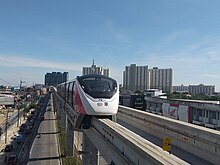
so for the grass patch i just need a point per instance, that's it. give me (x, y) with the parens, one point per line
(62, 142)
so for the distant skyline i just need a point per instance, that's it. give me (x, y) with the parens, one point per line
(37, 37)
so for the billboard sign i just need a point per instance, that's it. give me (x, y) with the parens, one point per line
(176, 111)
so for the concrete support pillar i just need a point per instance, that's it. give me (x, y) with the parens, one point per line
(62, 118)
(78, 142)
(89, 152)
(114, 118)
(69, 138)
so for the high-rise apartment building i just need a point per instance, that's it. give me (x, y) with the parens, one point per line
(202, 89)
(136, 78)
(55, 78)
(161, 79)
(96, 70)
(181, 88)
(141, 78)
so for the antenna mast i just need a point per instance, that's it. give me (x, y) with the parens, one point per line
(21, 82)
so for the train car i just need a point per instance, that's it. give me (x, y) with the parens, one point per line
(90, 95)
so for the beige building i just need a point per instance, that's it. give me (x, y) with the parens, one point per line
(96, 70)
(136, 78)
(202, 89)
(181, 88)
(142, 78)
(161, 79)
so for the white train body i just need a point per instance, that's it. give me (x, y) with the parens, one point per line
(91, 95)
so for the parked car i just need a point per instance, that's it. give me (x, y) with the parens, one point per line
(8, 148)
(19, 138)
(42, 118)
(38, 135)
(13, 137)
(11, 159)
(49, 109)
(28, 131)
(30, 126)
(23, 125)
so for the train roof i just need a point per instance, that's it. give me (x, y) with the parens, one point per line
(87, 76)
(94, 75)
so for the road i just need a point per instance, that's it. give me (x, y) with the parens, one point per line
(12, 130)
(44, 150)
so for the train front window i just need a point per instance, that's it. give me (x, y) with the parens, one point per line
(99, 87)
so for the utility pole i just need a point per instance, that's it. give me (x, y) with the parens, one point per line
(18, 115)
(21, 82)
(6, 126)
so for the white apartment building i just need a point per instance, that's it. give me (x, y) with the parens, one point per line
(181, 88)
(161, 79)
(96, 70)
(202, 89)
(141, 78)
(136, 78)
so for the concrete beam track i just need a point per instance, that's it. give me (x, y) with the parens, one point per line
(119, 145)
(200, 141)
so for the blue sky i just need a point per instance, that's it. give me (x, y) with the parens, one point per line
(42, 36)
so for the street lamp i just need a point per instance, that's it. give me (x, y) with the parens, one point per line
(6, 126)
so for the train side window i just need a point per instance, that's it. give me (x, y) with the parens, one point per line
(73, 87)
(200, 112)
(58, 90)
(67, 86)
(66, 89)
(70, 93)
(64, 92)
(73, 96)
(213, 114)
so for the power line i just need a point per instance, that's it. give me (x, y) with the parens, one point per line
(6, 82)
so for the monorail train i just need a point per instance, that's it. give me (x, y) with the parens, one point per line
(90, 95)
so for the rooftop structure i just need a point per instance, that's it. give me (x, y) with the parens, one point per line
(96, 70)
(55, 78)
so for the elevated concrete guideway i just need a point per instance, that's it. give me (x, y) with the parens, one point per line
(119, 145)
(115, 143)
(199, 141)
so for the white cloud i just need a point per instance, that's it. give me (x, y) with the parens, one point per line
(21, 61)
(116, 33)
(210, 76)
(174, 36)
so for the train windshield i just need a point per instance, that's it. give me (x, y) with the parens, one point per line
(98, 86)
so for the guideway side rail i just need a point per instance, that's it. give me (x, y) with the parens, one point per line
(200, 141)
(118, 145)
(121, 146)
